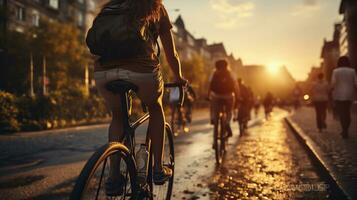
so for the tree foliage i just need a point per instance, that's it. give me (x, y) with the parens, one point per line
(195, 70)
(8, 113)
(61, 44)
(65, 53)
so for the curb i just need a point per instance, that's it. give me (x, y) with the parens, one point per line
(335, 186)
(52, 131)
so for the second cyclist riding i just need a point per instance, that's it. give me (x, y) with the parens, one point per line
(222, 92)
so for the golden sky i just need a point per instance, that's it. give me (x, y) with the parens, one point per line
(280, 32)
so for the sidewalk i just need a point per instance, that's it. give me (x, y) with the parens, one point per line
(340, 154)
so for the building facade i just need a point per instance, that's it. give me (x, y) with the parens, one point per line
(20, 15)
(331, 52)
(185, 42)
(348, 9)
(188, 46)
(343, 40)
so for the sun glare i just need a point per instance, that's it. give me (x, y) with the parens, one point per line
(273, 68)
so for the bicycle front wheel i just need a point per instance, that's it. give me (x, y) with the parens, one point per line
(110, 160)
(165, 191)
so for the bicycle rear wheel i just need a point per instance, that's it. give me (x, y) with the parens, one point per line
(223, 138)
(91, 181)
(220, 136)
(165, 191)
(217, 143)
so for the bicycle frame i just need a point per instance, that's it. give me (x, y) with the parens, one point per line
(129, 128)
(221, 118)
(221, 114)
(125, 147)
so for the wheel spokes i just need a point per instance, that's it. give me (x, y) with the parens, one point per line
(101, 178)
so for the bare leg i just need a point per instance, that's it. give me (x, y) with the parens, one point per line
(115, 132)
(156, 131)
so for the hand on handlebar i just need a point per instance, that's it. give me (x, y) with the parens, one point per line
(182, 81)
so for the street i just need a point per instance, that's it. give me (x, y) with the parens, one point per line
(266, 163)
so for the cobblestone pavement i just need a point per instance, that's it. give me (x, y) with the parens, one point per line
(340, 154)
(268, 163)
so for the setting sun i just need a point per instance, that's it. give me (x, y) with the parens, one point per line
(273, 68)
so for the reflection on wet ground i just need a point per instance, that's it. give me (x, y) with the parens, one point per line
(267, 163)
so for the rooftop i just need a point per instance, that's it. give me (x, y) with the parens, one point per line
(217, 47)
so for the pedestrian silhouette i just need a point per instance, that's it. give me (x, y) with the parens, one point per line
(344, 86)
(320, 96)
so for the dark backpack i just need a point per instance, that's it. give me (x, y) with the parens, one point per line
(222, 83)
(114, 34)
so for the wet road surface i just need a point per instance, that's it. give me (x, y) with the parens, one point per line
(267, 163)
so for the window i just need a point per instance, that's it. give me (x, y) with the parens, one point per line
(20, 13)
(53, 4)
(35, 18)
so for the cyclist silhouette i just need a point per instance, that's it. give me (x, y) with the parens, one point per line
(223, 90)
(125, 57)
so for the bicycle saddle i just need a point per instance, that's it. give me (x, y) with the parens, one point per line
(120, 87)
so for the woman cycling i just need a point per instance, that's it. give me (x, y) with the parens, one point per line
(143, 70)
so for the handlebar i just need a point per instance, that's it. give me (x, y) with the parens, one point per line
(181, 87)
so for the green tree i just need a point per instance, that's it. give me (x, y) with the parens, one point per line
(61, 44)
(194, 70)
(65, 52)
(8, 113)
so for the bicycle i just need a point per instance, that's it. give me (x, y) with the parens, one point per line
(242, 119)
(90, 180)
(220, 135)
(178, 120)
(267, 110)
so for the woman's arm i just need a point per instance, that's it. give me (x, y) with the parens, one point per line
(171, 54)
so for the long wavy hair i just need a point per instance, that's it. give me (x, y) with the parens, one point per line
(144, 10)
